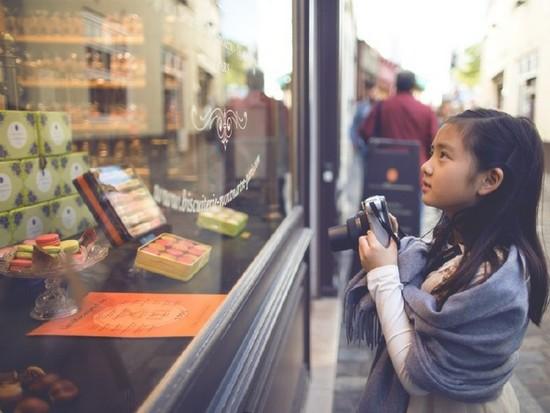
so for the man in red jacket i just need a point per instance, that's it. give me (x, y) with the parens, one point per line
(403, 117)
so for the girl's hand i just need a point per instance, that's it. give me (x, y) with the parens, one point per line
(393, 222)
(373, 254)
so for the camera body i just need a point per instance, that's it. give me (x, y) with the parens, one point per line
(377, 215)
(373, 215)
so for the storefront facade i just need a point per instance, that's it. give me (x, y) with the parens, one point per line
(209, 107)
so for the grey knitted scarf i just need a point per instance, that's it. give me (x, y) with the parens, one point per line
(465, 351)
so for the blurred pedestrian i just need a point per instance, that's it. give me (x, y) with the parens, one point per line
(402, 116)
(362, 110)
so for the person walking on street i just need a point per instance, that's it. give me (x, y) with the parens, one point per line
(402, 116)
(362, 110)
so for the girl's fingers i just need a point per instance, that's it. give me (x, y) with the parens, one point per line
(372, 240)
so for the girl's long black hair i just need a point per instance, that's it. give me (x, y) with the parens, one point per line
(507, 216)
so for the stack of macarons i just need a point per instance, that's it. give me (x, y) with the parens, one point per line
(51, 244)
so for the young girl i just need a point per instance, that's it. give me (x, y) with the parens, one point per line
(453, 312)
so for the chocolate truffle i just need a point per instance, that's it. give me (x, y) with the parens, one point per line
(32, 405)
(63, 391)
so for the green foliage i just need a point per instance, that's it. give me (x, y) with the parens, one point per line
(468, 70)
(236, 67)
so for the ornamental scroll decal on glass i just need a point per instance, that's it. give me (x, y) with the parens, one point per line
(225, 120)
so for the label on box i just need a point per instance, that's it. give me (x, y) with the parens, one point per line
(68, 217)
(44, 180)
(5, 187)
(76, 170)
(56, 133)
(17, 135)
(35, 227)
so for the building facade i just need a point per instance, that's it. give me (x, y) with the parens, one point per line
(515, 60)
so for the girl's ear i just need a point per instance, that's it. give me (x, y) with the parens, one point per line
(491, 180)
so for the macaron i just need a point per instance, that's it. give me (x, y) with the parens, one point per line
(174, 252)
(187, 259)
(163, 241)
(29, 242)
(19, 263)
(198, 251)
(24, 255)
(25, 248)
(47, 239)
(52, 249)
(70, 246)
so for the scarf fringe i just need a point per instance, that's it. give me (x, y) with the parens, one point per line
(360, 317)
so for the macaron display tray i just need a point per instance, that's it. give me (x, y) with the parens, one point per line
(173, 256)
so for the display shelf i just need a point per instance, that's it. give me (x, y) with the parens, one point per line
(114, 126)
(83, 84)
(62, 39)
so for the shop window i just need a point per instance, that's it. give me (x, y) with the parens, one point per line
(195, 98)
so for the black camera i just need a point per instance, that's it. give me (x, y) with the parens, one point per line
(373, 215)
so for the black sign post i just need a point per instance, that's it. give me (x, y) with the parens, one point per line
(393, 171)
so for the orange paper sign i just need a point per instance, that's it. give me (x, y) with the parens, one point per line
(135, 315)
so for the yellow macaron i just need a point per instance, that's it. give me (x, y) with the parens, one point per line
(70, 246)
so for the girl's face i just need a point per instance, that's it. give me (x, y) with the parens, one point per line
(450, 178)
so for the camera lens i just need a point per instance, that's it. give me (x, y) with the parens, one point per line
(346, 237)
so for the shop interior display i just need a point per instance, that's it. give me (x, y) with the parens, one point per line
(112, 99)
(47, 257)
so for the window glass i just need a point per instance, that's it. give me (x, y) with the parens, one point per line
(196, 98)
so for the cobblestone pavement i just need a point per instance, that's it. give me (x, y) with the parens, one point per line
(531, 380)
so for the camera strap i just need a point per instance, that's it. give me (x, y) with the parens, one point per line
(385, 225)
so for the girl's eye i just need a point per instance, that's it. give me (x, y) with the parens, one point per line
(443, 154)
(431, 151)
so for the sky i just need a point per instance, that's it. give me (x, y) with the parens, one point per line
(264, 26)
(421, 35)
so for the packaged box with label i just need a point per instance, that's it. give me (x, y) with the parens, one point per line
(70, 216)
(223, 220)
(29, 222)
(18, 138)
(11, 186)
(73, 165)
(41, 179)
(54, 133)
(121, 204)
(5, 229)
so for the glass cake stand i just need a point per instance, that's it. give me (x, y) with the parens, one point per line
(55, 301)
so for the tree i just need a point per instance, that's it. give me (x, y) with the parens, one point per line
(468, 69)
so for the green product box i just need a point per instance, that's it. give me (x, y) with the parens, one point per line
(5, 229)
(226, 221)
(18, 138)
(54, 133)
(29, 222)
(11, 186)
(41, 179)
(70, 216)
(72, 166)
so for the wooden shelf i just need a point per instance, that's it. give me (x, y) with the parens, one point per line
(106, 126)
(83, 84)
(46, 39)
